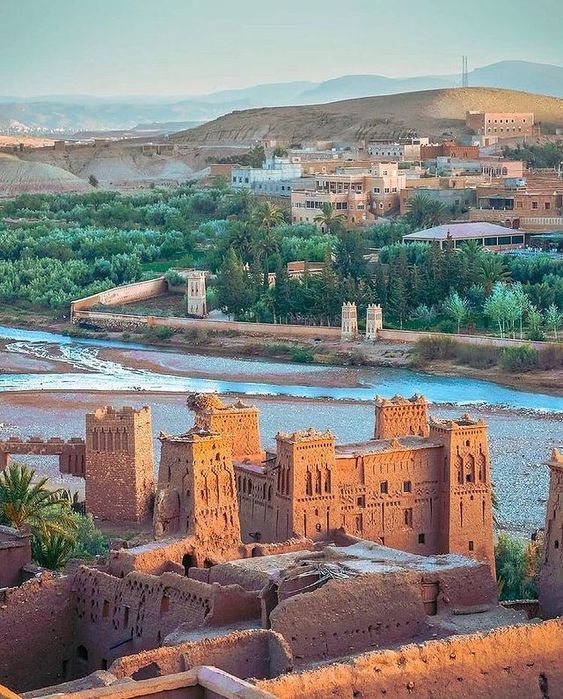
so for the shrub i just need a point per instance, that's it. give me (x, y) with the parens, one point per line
(173, 278)
(517, 564)
(161, 332)
(477, 356)
(551, 357)
(195, 335)
(517, 359)
(125, 336)
(302, 356)
(435, 347)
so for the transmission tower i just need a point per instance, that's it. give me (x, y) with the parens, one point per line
(464, 72)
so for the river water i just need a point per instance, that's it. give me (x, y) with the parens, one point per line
(93, 373)
(522, 432)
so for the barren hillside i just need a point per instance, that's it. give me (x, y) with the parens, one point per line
(432, 112)
(18, 176)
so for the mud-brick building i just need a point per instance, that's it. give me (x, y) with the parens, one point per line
(421, 485)
(551, 572)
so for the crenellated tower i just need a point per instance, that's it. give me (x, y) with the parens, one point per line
(196, 294)
(400, 417)
(238, 421)
(467, 516)
(196, 495)
(551, 572)
(119, 464)
(307, 485)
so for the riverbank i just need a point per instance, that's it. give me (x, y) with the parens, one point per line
(325, 354)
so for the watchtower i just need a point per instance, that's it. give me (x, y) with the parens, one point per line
(349, 321)
(196, 494)
(197, 299)
(374, 321)
(307, 489)
(119, 464)
(401, 417)
(467, 522)
(237, 421)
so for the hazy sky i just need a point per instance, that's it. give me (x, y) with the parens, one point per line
(110, 47)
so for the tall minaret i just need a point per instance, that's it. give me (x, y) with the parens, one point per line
(197, 303)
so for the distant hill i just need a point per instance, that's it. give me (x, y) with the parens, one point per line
(430, 112)
(64, 114)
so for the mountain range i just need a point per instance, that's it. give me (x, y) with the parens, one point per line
(66, 115)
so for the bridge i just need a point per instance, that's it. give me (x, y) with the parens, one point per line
(71, 453)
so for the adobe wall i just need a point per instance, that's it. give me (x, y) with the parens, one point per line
(257, 653)
(334, 620)
(128, 293)
(551, 572)
(36, 633)
(15, 553)
(120, 616)
(121, 321)
(514, 661)
(412, 336)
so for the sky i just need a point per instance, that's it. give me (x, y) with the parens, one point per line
(189, 47)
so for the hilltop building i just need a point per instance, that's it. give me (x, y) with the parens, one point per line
(500, 125)
(275, 177)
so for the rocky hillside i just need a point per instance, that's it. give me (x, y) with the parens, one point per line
(431, 112)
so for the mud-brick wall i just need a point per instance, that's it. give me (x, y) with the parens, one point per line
(515, 661)
(36, 633)
(129, 293)
(256, 653)
(347, 616)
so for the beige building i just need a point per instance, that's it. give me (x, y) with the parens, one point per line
(501, 124)
(358, 195)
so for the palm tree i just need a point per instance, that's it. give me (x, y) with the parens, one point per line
(268, 215)
(52, 551)
(328, 218)
(492, 270)
(425, 212)
(25, 501)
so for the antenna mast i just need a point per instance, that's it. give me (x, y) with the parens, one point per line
(464, 72)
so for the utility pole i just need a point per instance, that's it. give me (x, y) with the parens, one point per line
(464, 72)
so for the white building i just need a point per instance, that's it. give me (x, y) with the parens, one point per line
(276, 177)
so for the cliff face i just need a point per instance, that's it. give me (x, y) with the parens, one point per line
(431, 112)
(515, 661)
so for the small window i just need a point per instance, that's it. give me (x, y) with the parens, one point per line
(421, 538)
(126, 617)
(361, 501)
(384, 487)
(407, 487)
(471, 546)
(105, 609)
(556, 544)
(408, 517)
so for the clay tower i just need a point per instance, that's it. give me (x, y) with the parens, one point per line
(374, 321)
(401, 417)
(551, 573)
(307, 486)
(119, 464)
(467, 518)
(197, 302)
(349, 329)
(238, 421)
(196, 495)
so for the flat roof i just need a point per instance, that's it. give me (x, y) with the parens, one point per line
(462, 231)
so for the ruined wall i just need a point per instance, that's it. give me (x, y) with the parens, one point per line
(36, 633)
(119, 451)
(551, 572)
(120, 616)
(335, 620)
(516, 661)
(257, 653)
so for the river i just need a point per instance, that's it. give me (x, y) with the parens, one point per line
(523, 426)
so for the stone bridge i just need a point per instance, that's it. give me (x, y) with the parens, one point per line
(71, 453)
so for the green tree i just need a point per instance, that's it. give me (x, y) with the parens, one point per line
(233, 288)
(256, 156)
(328, 219)
(492, 270)
(456, 308)
(517, 565)
(553, 319)
(268, 215)
(350, 250)
(93, 180)
(425, 212)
